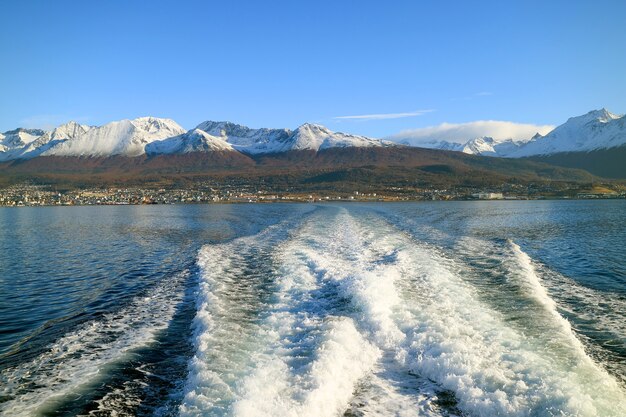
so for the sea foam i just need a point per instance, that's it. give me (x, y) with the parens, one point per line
(77, 360)
(347, 312)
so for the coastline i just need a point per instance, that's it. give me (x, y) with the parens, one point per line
(289, 200)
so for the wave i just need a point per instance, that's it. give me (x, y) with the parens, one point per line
(559, 313)
(347, 313)
(234, 290)
(511, 360)
(79, 359)
(596, 313)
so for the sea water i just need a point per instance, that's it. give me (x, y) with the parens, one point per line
(513, 308)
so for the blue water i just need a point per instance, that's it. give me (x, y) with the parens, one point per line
(443, 308)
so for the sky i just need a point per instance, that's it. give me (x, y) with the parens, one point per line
(372, 68)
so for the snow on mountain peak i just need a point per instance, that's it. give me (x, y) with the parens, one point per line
(156, 126)
(154, 135)
(597, 129)
(602, 115)
(216, 128)
(314, 127)
(482, 145)
(243, 138)
(19, 137)
(593, 116)
(479, 146)
(68, 130)
(13, 142)
(195, 140)
(309, 136)
(124, 137)
(491, 147)
(316, 137)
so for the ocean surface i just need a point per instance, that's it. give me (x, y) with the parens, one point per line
(512, 308)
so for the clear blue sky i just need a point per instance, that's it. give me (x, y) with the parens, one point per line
(279, 64)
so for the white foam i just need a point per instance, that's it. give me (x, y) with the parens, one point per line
(314, 357)
(392, 391)
(535, 293)
(492, 368)
(530, 280)
(301, 359)
(601, 311)
(347, 257)
(322, 387)
(365, 318)
(457, 340)
(329, 269)
(226, 331)
(220, 337)
(79, 358)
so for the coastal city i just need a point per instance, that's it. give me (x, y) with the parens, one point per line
(28, 194)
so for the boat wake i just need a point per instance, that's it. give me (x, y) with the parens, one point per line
(75, 363)
(340, 313)
(346, 314)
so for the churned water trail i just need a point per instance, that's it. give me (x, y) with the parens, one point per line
(470, 309)
(76, 361)
(348, 314)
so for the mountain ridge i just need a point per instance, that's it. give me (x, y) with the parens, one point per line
(153, 136)
(402, 166)
(594, 130)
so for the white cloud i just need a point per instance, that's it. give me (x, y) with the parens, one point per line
(383, 116)
(462, 132)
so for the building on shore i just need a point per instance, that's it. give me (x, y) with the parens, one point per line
(488, 196)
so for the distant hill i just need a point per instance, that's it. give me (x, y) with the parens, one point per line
(386, 165)
(607, 163)
(595, 141)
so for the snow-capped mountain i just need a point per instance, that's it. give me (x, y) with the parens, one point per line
(491, 147)
(484, 145)
(306, 137)
(68, 130)
(598, 129)
(437, 144)
(47, 140)
(125, 137)
(153, 136)
(243, 138)
(27, 143)
(18, 138)
(317, 137)
(195, 140)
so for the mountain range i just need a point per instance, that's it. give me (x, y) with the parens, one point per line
(156, 136)
(598, 129)
(595, 142)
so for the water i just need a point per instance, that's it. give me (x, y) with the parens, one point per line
(418, 309)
